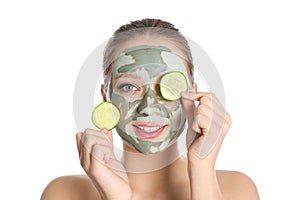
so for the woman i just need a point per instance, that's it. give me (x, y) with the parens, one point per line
(136, 58)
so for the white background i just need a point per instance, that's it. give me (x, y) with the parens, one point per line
(254, 45)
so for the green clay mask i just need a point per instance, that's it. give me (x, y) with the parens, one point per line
(149, 122)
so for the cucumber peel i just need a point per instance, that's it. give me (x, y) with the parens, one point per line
(172, 84)
(106, 115)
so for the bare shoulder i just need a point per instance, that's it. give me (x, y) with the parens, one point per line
(74, 187)
(237, 185)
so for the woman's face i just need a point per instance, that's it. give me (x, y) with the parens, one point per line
(148, 123)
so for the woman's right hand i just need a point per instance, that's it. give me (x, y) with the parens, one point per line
(100, 164)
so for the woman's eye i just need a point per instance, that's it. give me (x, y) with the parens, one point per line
(128, 88)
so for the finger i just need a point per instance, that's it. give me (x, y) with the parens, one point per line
(90, 140)
(106, 158)
(106, 174)
(195, 96)
(206, 115)
(214, 105)
(189, 107)
(78, 140)
(189, 100)
(201, 123)
(209, 106)
(84, 156)
(109, 136)
(86, 141)
(208, 120)
(101, 153)
(95, 132)
(103, 132)
(203, 98)
(94, 151)
(82, 150)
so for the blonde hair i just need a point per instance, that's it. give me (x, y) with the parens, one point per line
(145, 27)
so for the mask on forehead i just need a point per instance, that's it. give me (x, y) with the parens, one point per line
(149, 123)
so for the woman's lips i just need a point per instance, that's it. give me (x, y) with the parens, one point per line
(149, 131)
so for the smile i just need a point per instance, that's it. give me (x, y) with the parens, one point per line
(149, 131)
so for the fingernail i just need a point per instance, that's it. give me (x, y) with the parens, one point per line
(104, 130)
(185, 94)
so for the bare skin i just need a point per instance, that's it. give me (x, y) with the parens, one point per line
(192, 178)
(233, 185)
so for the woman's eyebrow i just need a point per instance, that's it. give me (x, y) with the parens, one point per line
(126, 75)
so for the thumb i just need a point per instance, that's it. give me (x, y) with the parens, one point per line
(190, 101)
(109, 135)
(189, 106)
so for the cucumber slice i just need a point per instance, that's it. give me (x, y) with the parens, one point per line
(172, 84)
(106, 115)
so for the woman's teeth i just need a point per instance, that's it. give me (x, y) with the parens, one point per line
(149, 129)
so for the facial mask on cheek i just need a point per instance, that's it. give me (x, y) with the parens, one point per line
(149, 123)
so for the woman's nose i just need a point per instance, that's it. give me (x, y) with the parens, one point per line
(150, 105)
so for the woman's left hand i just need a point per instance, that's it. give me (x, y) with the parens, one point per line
(208, 123)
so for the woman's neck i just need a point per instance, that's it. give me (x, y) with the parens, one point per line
(160, 174)
(135, 162)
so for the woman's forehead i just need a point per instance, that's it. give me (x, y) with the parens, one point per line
(153, 59)
(145, 41)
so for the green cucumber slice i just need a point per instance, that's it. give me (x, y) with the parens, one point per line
(106, 115)
(172, 84)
